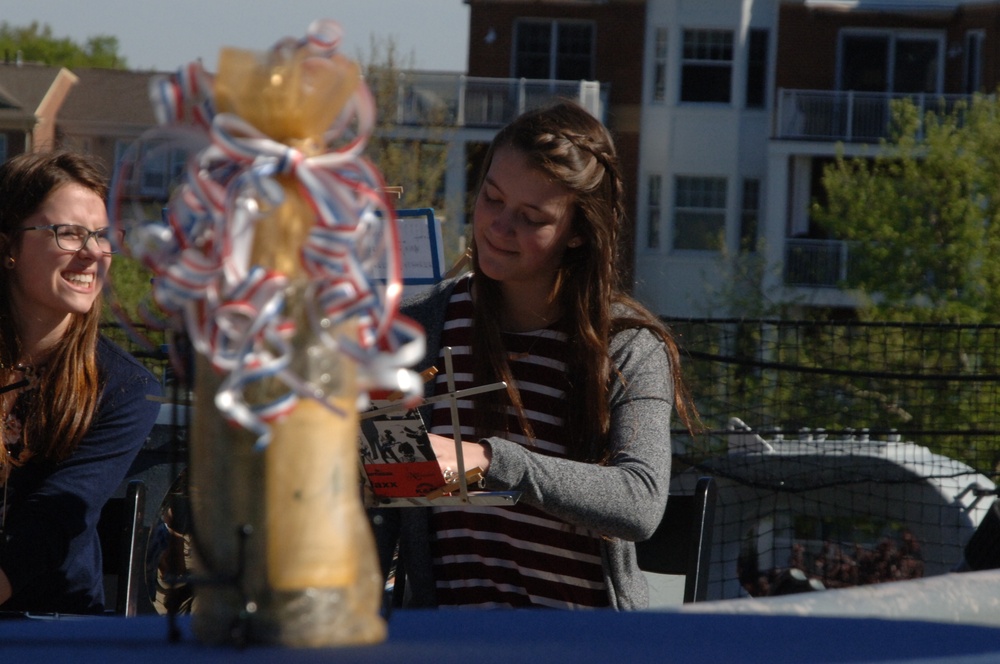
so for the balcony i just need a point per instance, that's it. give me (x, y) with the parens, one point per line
(852, 117)
(456, 100)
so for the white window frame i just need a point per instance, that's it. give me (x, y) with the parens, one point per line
(703, 59)
(705, 197)
(658, 92)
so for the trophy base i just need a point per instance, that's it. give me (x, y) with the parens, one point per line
(312, 618)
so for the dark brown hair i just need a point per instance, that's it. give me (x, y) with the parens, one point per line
(573, 148)
(68, 384)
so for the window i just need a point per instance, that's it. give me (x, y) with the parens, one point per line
(707, 68)
(653, 208)
(561, 50)
(757, 69)
(699, 213)
(890, 62)
(750, 215)
(973, 74)
(916, 66)
(660, 65)
(161, 166)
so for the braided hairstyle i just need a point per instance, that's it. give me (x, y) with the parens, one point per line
(571, 147)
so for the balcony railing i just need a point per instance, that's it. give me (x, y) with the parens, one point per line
(816, 263)
(853, 117)
(456, 100)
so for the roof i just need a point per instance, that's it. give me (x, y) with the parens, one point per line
(88, 102)
(22, 90)
(897, 6)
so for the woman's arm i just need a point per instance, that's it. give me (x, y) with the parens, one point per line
(44, 529)
(624, 498)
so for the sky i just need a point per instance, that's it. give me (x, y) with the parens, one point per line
(167, 34)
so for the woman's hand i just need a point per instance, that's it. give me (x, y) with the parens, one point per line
(473, 454)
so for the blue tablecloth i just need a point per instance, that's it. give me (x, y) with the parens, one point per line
(537, 637)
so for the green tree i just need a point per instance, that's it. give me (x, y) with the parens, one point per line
(415, 164)
(36, 43)
(921, 215)
(131, 283)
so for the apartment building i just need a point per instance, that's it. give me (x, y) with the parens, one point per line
(567, 43)
(725, 112)
(708, 84)
(861, 60)
(745, 102)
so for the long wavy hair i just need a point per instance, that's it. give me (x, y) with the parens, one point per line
(68, 383)
(573, 148)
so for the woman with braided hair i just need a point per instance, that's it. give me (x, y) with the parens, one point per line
(583, 429)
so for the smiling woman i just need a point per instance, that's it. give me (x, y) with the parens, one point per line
(73, 406)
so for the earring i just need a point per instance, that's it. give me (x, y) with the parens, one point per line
(9, 263)
(574, 243)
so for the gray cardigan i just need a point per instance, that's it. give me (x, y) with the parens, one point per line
(623, 501)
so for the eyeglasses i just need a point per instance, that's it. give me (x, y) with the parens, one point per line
(70, 237)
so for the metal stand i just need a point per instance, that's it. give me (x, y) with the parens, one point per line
(463, 496)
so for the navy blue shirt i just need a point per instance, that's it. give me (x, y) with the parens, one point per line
(50, 550)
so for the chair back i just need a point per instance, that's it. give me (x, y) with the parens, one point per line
(120, 530)
(982, 551)
(682, 543)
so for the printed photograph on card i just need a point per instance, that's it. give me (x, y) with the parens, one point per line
(397, 456)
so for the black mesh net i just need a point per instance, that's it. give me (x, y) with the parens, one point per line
(845, 454)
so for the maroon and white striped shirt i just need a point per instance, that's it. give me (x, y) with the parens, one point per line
(513, 556)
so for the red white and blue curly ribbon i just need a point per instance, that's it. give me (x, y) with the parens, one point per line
(234, 311)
